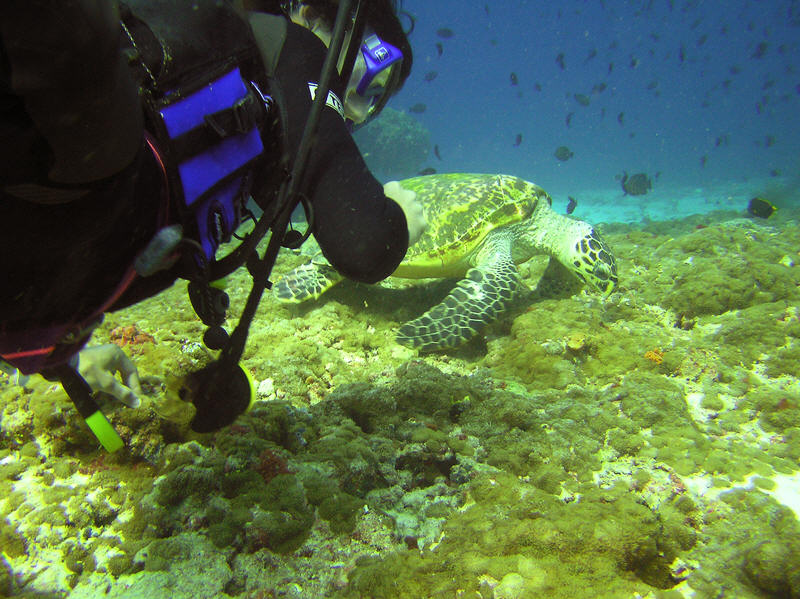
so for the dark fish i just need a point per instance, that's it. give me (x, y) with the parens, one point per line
(760, 51)
(418, 108)
(582, 99)
(560, 61)
(439, 48)
(610, 67)
(538, 87)
(568, 120)
(621, 119)
(636, 185)
(703, 160)
(599, 88)
(431, 75)
(634, 62)
(702, 40)
(652, 85)
(444, 33)
(486, 8)
(769, 141)
(427, 171)
(518, 140)
(761, 208)
(571, 204)
(592, 54)
(436, 152)
(514, 79)
(563, 153)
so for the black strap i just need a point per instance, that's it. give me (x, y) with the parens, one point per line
(245, 115)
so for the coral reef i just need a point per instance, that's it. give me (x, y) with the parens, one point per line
(394, 146)
(647, 444)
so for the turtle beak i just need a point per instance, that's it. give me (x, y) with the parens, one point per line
(605, 274)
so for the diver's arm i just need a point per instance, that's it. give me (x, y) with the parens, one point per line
(65, 64)
(362, 233)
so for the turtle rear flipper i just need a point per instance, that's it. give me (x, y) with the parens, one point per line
(305, 282)
(473, 303)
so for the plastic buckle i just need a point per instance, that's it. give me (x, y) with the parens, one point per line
(245, 114)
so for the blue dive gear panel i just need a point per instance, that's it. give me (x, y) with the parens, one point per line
(203, 176)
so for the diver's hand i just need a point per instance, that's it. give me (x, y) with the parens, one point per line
(100, 363)
(415, 216)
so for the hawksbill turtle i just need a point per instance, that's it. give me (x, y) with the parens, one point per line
(479, 228)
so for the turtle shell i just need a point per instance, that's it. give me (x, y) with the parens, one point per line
(461, 210)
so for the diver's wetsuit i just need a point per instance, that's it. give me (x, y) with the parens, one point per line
(80, 193)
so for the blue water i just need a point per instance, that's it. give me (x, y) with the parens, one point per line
(720, 115)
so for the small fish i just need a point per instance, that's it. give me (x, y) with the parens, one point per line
(486, 9)
(703, 161)
(582, 99)
(592, 54)
(514, 79)
(568, 120)
(431, 75)
(760, 51)
(439, 48)
(436, 152)
(760, 208)
(610, 67)
(621, 119)
(599, 88)
(518, 140)
(560, 61)
(418, 108)
(538, 87)
(571, 204)
(445, 33)
(427, 171)
(636, 185)
(563, 153)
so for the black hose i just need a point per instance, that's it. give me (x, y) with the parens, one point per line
(288, 197)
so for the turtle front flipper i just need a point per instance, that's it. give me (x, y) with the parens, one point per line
(305, 282)
(473, 303)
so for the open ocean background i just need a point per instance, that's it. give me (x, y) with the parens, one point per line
(701, 96)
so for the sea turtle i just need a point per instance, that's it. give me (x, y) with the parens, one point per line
(479, 228)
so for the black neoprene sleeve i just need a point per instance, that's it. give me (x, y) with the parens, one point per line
(362, 233)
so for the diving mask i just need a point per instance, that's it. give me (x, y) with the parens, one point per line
(378, 56)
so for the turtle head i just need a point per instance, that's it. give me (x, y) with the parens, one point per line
(590, 258)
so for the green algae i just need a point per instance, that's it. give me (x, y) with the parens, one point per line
(488, 484)
(759, 534)
(510, 527)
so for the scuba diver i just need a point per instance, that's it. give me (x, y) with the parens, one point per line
(138, 136)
